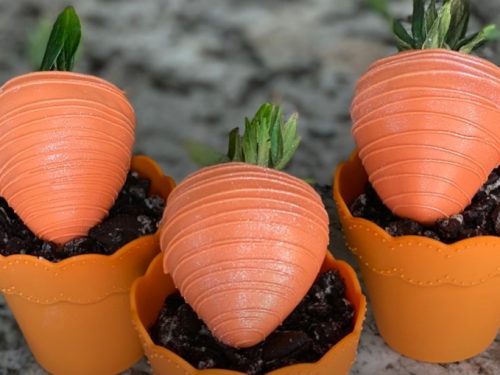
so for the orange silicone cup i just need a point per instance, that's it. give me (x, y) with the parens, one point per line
(148, 295)
(75, 314)
(432, 302)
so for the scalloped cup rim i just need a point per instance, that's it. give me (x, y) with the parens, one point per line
(84, 257)
(166, 353)
(121, 261)
(76, 258)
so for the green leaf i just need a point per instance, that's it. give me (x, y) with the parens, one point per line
(460, 10)
(37, 40)
(289, 130)
(204, 155)
(310, 180)
(436, 37)
(250, 143)
(381, 7)
(63, 42)
(263, 143)
(291, 141)
(276, 139)
(235, 152)
(430, 16)
(494, 34)
(475, 41)
(418, 21)
(268, 141)
(288, 154)
(403, 39)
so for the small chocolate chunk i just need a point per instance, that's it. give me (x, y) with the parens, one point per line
(343, 312)
(155, 205)
(495, 218)
(299, 317)
(126, 204)
(7, 216)
(473, 232)
(476, 214)
(139, 188)
(320, 309)
(358, 207)
(81, 245)
(47, 250)
(15, 245)
(403, 227)
(449, 229)
(332, 284)
(431, 234)
(116, 231)
(188, 320)
(326, 333)
(247, 360)
(146, 225)
(285, 344)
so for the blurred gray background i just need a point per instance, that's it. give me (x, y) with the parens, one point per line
(194, 69)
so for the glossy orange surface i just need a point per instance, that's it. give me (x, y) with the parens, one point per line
(426, 124)
(432, 301)
(75, 314)
(148, 295)
(60, 133)
(243, 244)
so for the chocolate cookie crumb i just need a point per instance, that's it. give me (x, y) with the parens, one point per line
(322, 318)
(480, 218)
(135, 213)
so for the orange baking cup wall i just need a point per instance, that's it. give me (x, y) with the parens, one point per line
(432, 302)
(75, 314)
(426, 125)
(60, 133)
(148, 296)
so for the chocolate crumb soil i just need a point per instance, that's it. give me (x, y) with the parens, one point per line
(322, 318)
(480, 218)
(135, 213)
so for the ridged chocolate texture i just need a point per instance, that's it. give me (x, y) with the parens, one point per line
(65, 147)
(426, 124)
(243, 245)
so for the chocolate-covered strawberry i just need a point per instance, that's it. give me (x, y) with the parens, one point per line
(65, 141)
(243, 241)
(426, 119)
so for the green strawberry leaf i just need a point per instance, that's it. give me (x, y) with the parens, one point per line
(204, 155)
(63, 42)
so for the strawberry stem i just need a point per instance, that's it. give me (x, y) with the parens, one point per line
(441, 27)
(268, 141)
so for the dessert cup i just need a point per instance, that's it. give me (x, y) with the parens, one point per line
(75, 314)
(148, 295)
(222, 236)
(432, 301)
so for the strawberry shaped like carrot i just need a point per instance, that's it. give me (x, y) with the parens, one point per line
(243, 241)
(65, 141)
(426, 119)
